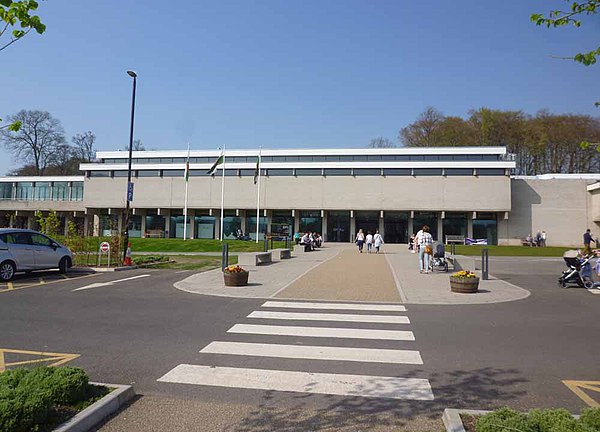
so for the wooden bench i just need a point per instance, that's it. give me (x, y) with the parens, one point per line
(280, 254)
(459, 239)
(525, 242)
(254, 258)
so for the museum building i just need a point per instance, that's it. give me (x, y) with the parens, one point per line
(464, 191)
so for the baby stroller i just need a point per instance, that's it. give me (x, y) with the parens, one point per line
(579, 272)
(438, 259)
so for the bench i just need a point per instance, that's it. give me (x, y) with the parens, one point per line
(459, 239)
(300, 248)
(280, 254)
(525, 242)
(254, 258)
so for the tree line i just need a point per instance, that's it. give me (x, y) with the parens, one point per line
(542, 143)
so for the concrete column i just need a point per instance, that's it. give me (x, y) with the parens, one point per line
(269, 220)
(324, 233)
(217, 215)
(192, 226)
(243, 214)
(86, 223)
(410, 228)
(381, 224)
(96, 225)
(440, 227)
(143, 213)
(167, 215)
(296, 221)
(68, 218)
(30, 221)
(470, 225)
(352, 227)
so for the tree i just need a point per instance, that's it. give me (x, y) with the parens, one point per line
(40, 136)
(64, 161)
(422, 133)
(11, 14)
(381, 142)
(137, 145)
(559, 18)
(84, 146)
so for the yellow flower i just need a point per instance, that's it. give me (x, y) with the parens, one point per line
(464, 274)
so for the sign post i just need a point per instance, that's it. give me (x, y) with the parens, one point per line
(104, 249)
(130, 191)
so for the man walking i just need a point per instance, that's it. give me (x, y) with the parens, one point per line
(587, 240)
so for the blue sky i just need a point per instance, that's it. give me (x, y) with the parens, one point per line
(300, 74)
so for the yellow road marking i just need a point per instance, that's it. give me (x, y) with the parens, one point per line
(56, 358)
(10, 285)
(577, 386)
(48, 283)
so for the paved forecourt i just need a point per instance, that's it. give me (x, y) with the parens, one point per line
(314, 331)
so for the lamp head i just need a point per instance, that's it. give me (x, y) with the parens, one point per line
(131, 73)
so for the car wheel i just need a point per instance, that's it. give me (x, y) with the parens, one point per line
(7, 271)
(64, 264)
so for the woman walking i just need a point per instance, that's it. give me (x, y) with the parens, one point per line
(369, 242)
(377, 240)
(360, 240)
(424, 240)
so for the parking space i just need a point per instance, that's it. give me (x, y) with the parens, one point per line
(40, 278)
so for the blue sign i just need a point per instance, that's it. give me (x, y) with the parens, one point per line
(130, 191)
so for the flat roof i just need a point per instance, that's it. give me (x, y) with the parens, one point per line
(11, 179)
(577, 176)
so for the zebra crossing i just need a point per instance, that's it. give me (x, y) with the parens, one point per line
(356, 322)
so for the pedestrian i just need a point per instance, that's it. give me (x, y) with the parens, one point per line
(297, 238)
(418, 238)
(538, 239)
(411, 243)
(360, 239)
(424, 240)
(587, 240)
(369, 241)
(544, 236)
(377, 241)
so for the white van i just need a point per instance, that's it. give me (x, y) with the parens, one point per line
(23, 250)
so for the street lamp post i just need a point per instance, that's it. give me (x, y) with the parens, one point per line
(133, 75)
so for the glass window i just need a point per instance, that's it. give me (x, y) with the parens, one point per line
(426, 218)
(230, 173)
(267, 158)
(200, 160)
(372, 158)
(173, 173)
(231, 225)
(148, 173)
(22, 238)
(486, 227)
(368, 221)
(454, 224)
(165, 160)
(120, 173)
(179, 160)
(279, 172)
(397, 172)
(427, 171)
(6, 191)
(99, 173)
(396, 227)
(199, 173)
(337, 172)
(77, 191)
(308, 171)
(458, 171)
(135, 226)
(489, 157)
(346, 158)
(446, 158)
(251, 227)
(176, 226)
(490, 171)
(282, 224)
(24, 191)
(42, 191)
(205, 227)
(247, 172)
(367, 171)
(60, 191)
(417, 157)
(310, 220)
(292, 158)
(40, 240)
(338, 226)
(155, 226)
(109, 224)
(333, 158)
(305, 158)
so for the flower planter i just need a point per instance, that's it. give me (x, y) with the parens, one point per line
(464, 285)
(236, 279)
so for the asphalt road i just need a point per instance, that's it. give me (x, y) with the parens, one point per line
(477, 356)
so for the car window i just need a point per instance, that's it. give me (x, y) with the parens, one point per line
(40, 240)
(21, 238)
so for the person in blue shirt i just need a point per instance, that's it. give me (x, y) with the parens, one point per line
(587, 240)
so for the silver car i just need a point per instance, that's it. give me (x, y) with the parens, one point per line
(23, 250)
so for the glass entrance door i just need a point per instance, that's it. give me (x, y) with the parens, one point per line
(395, 227)
(338, 226)
(368, 221)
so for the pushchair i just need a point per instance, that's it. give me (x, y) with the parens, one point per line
(579, 272)
(438, 258)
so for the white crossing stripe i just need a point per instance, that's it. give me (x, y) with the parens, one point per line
(326, 332)
(367, 355)
(339, 306)
(305, 382)
(594, 290)
(391, 319)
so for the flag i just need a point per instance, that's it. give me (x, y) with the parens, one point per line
(213, 168)
(257, 169)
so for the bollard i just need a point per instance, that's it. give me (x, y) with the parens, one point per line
(453, 249)
(266, 245)
(485, 264)
(225, 256)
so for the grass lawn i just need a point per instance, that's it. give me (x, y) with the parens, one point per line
(510, 250)
(194, 262)
(196, 245)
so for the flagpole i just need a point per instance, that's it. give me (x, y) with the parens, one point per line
(185, 202)
(258, 196)
(222, 191)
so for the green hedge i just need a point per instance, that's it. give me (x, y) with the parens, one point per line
(29, 396)
(549, 420)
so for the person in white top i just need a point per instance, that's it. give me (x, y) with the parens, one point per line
(369, 242)
(424, 240)
(377, 241)
(360, 239)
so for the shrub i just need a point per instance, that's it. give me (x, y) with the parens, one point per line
(591, 417)
(504, 419)
(550, 420)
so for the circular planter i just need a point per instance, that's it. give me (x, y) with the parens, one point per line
(236, 279)
(464, 285)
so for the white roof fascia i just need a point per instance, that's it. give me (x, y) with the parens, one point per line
(290, 165)
(304, 152)
(594, 186)
(15, 179)
(582, 176)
